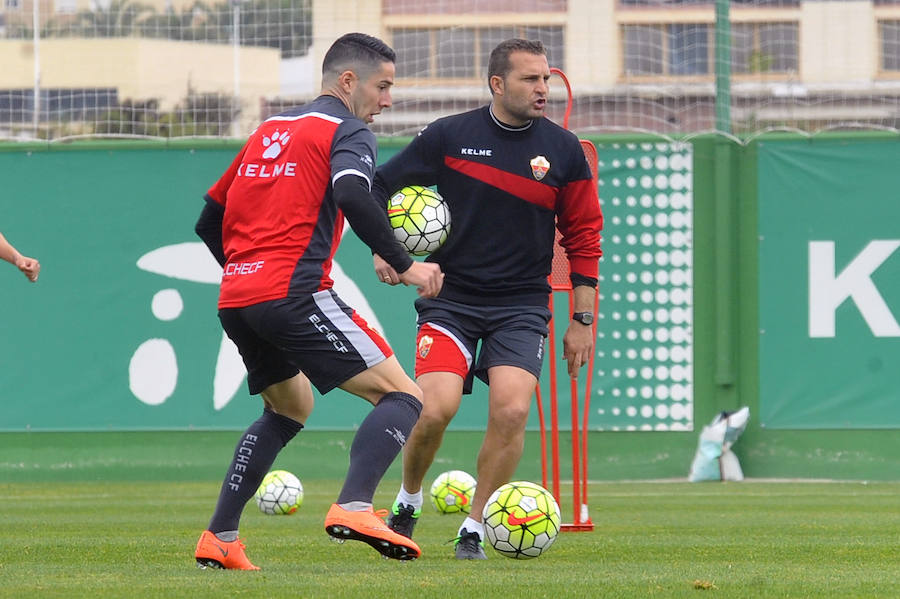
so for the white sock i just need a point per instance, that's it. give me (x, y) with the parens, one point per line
(413, 499)
(472, 526)
(356, 506)
(227, 536)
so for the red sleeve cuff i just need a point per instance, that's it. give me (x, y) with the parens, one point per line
(588, 267)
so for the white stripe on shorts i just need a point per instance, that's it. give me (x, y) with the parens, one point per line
(452, 337)
(358, 338)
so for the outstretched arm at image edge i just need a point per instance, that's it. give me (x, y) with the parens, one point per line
(30, 267)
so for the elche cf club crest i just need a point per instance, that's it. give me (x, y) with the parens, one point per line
(425, 345)
(539, 167)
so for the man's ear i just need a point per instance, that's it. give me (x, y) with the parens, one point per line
(497, 84)
(346, 80)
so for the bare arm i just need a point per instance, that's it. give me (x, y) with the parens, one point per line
(578, 342)
(30, 267)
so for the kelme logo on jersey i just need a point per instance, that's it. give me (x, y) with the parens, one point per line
(539, 167)
(425, 345)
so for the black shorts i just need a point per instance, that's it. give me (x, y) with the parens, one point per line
(317, 334)
(450, 331)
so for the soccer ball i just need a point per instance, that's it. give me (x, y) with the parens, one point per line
(420, 219)
(521, 520)
(452, 492)
(279, 493)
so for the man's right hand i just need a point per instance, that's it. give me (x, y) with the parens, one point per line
(30, 267)
(427, 276)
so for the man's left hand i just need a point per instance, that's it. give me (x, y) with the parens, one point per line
(578, 343)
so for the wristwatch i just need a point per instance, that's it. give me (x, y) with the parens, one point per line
(585, 318)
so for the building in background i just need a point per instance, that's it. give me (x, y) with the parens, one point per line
(634, 64)
(650, 64)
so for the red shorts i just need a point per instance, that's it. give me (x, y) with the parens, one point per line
(438, 350)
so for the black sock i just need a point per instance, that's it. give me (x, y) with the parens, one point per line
(253, 456)
(379, 439)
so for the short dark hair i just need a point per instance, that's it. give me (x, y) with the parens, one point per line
(356, 51)
(499, 64)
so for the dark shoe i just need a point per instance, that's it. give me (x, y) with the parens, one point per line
(402, 519)
(469, 545)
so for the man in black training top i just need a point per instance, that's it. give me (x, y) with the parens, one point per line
(510, 178)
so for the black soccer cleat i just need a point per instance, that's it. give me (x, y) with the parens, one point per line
(402, 519)
(469, 545)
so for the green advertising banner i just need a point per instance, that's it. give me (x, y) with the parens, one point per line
(829, 284)
(121, 333)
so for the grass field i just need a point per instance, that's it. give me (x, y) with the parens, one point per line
(751, 539)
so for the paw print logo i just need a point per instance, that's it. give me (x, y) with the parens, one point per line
(275, 144)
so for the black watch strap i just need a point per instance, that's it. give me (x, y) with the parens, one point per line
(585, 318)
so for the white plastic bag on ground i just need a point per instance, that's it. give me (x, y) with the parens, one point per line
(714, 459)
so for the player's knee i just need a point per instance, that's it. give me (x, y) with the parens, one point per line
(386, 377)
(409, 386)
(299, 410)
(435, 417)
(510, 417)
(292, 398)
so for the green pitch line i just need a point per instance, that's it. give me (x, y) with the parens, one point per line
(199, 455)
(203, 455)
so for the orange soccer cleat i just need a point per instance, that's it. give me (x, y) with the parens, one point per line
(365, 526)
(213, 553)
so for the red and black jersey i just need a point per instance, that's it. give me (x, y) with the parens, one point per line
(508, 189)
(281, 225)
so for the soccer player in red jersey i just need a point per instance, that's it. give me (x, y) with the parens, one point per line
(511, 179)
(274, 221)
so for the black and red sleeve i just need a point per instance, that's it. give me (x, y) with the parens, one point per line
(209, 224)
(580, 220)
(352, 172)
(416, 164)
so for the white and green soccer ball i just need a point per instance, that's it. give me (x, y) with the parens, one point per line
(420, 219)
(452, 492)
(521, 520)
(280, 493)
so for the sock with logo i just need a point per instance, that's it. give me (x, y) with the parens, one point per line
(472, 526)
(253, 456)
(379, 439)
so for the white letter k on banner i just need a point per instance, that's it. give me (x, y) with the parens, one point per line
(827, 291)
